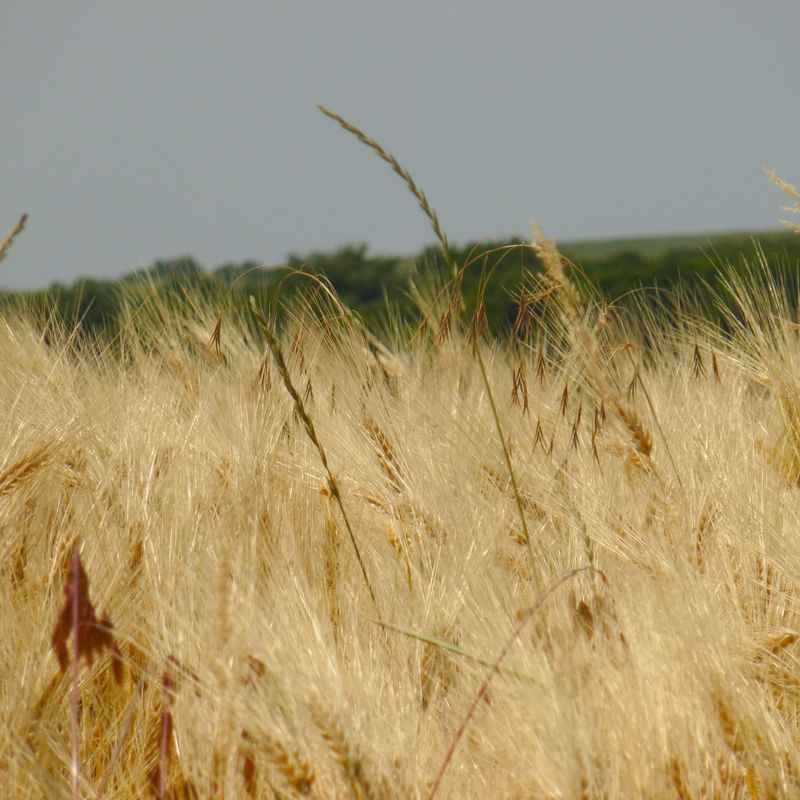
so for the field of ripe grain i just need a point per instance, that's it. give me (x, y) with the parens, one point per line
(305, 561)
(259, 553)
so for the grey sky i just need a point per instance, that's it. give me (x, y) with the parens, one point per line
(137, 130)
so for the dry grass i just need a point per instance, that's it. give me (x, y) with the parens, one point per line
(407, 178)
(582, 542)
(252, 664)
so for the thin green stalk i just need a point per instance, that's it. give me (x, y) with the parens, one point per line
(449, 647)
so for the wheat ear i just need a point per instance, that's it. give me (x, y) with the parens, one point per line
(792, 192)
(506, 457)
(584, 340)
(5, 245)
(345, 755)
(13, 476)
(658, 425)
(426, 207)
(308, 424)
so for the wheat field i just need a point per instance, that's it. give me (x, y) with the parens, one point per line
(257, 554)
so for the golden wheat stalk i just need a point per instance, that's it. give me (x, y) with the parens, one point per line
(640, 435)
(308, 424)
(426, 207)
(507, 458)
(455, 306)
(13, 476)
(345, 755)
(295, 769)
(585, 342)
(792, 191)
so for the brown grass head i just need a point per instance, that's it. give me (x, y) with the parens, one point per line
(5, 245)
(426, 207)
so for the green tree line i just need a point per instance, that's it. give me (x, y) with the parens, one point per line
(377, 286)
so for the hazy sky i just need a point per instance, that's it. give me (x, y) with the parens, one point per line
(138, 130)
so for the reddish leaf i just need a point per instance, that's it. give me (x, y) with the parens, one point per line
(92, 635)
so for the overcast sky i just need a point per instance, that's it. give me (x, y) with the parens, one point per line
(138, 130)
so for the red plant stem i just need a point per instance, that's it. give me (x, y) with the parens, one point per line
(75, 568)
(163, 750)
(527, 614)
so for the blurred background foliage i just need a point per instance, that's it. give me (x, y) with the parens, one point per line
(379, 287)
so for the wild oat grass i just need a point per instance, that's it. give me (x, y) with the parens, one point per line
(582, 540)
